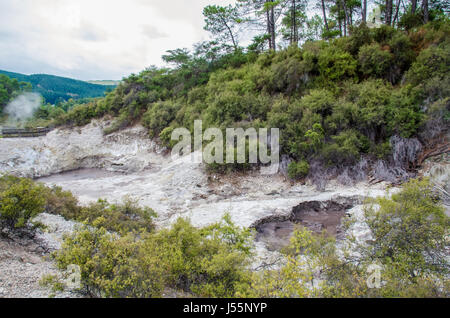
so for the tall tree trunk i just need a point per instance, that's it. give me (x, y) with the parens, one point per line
(294, 35)
(232, 38)
(364, 11)
(270, 15)
(296, 39)
(272, 29)
(339, 17)
(396, 12)
(325, 15)
(345, 27)
(413, 6)
(388, 13)
(268, 30)
(347, 19)
(230, 32)
(426, 14)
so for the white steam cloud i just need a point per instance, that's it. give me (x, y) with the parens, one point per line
(23, 107)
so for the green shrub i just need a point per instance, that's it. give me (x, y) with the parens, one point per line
(111, 266)
(374, 61)
(401, 47)
(159, 116)
(298, 170)
(121, 218)
(209, 262)
(79, 115)
(373, 98)
(226, 108)
(335, 65)
(360, 36)
(431, 62)
(405, 115)
(346, 148)
(315, 138)
(410, 230)
(410, 20)
(20, 201)
(381, 150)
(320, 101)
(60, 202)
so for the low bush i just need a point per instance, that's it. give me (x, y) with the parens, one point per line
(209, 262)
(374, 61)
(120, 218)
(20, 201)
(298, 170)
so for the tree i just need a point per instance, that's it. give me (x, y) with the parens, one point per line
(294, 19)
(426, 14)
(346, 16)
(413, 6)
(314, 28)
(265, 13)
(337, 13)
(178, 57)
(324, 15)
(269, 7)
(364, 11)
(388, 12)
(222, 22)
(397, 9)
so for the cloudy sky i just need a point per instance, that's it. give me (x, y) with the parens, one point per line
(96, 39)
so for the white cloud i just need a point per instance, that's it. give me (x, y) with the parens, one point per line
(96, 39)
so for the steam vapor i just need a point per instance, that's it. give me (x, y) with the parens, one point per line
(23, 107)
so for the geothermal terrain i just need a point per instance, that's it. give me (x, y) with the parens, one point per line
(127, 163)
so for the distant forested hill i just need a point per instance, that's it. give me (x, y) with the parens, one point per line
(56, 89)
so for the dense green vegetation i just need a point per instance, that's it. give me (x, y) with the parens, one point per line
(121, 254)
(57, 89)
(334, 100)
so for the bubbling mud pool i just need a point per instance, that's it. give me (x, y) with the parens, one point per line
(316, 216)
(80, 174)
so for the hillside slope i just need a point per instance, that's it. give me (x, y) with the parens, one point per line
(55, 88)
(364, 105)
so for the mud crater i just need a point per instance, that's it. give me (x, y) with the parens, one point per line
(318, 216)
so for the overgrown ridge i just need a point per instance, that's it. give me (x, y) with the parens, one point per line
(374, 104)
